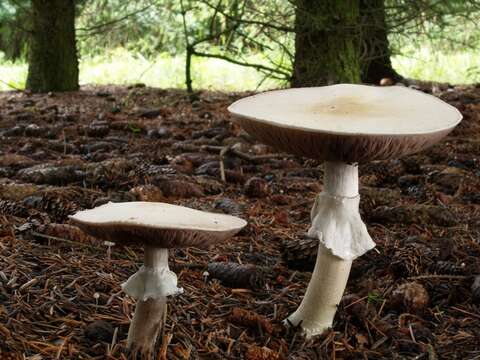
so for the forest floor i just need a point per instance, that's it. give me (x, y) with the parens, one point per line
(413, 297)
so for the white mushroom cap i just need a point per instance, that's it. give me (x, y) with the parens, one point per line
(157, 224)
(347, 122)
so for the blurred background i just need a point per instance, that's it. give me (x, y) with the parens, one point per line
(241, 44)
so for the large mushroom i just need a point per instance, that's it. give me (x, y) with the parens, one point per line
(342, 125)
(158, 226)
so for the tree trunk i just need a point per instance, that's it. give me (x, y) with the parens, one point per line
(327, 42)
(53, 63)
(376, 63)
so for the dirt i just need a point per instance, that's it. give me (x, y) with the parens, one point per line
(415, 296)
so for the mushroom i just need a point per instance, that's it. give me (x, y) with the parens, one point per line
(158, 226)
(342, 125)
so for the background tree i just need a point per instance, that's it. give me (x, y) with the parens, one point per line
(233, 30)
(53, 62)
(376, 63)
(311, 42)
(327, 42)
(14, 24)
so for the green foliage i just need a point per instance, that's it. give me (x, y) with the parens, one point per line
(166, 71)
(145, 26)
(427, 63)
(12, 75)
(238, 29)
(374, 298)
(431, 39)
(14, 25)
(122, 67)
(134, 129)
(446, 25)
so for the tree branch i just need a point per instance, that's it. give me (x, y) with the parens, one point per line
(241, 63)
(250, 22)
(114, 21)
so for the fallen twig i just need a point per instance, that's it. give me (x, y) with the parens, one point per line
(438, 276)
(244, 156)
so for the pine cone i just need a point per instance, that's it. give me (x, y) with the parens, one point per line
(178, 188)
(301, 254)
(237, 276)
(448, 268)
(34, 221)
(250, 319)
(144, 169)
(229, 206)
(410, 260)
(373, 197)
(13, 208)
(413, 214)
(66, 231)
(412, 297)
(385, 171)
(256, 187)
(4, 355)
(147, 193)
(58, 203)
(261, 353)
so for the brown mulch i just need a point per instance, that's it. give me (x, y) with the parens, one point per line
(413, 297)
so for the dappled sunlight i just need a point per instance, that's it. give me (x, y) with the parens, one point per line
(122, 67)
(164, 71)
(427, 64)
(12, 75)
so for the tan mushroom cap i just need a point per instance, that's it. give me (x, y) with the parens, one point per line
(157, 224)
(345, 122)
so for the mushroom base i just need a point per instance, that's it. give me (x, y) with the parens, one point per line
(146, 325)
(342, 237)
(317, 310)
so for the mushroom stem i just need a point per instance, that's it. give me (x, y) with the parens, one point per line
(150, 311)
(319, 305)
(146, 325)
(341, 179)
(155, 257)
(343, 236)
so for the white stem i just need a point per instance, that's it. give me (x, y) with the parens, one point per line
(319, 305)
(341, 179)
(150, 285)
(146, 325)
(155, 257)
(154, 279)
(343, 236)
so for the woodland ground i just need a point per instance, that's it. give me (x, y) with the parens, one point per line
(60, 296)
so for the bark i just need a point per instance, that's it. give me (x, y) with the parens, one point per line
(327, 42)
(376, 63)
(53, 62)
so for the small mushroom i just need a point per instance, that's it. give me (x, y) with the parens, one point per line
(342, 125)
(158, 226)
